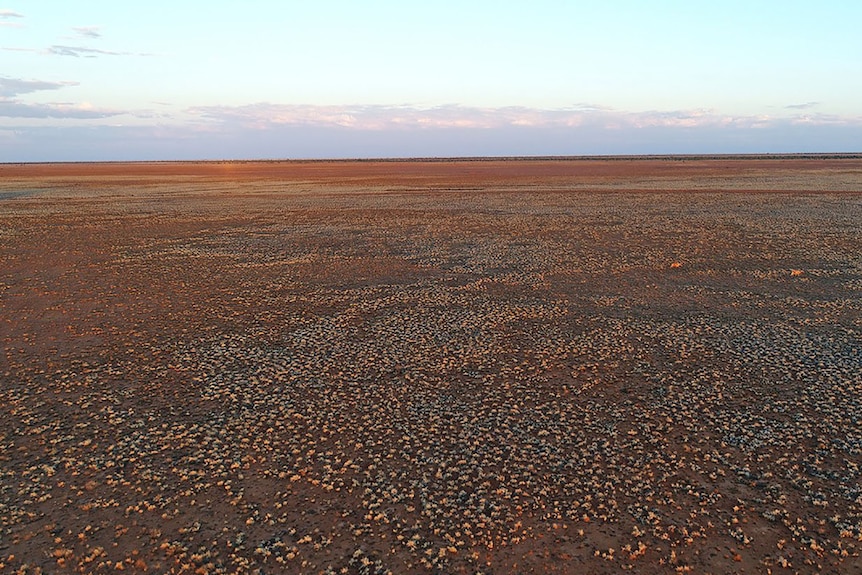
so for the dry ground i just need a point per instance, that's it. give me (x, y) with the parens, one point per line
(555, 366)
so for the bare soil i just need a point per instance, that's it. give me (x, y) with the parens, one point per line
(486, 366)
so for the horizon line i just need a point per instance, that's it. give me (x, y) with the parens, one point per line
(430, 159)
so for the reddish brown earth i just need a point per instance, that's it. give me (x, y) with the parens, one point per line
(523, 366)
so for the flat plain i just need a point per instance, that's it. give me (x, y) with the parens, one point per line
(486, 366)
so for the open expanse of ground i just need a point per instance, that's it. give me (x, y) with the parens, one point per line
(546, 366)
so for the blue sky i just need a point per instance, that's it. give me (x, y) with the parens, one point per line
(191, 79)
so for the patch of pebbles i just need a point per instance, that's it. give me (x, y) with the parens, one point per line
(434, 383)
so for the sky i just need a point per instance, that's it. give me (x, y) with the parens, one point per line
(190, 79)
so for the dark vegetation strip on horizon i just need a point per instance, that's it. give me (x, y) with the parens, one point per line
(629, 157)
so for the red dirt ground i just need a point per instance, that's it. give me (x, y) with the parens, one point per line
(485, 366)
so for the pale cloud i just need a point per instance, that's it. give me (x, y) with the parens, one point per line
(88, 31)
(6, 17)
(81, 51)
(67, 131)
(74, 51)
(804, 106)
(379, 117)
(823, 120)
(14, 49)
(263, 116)
(13, 107)
(94, 140)
(18, 109)
(10, 87)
